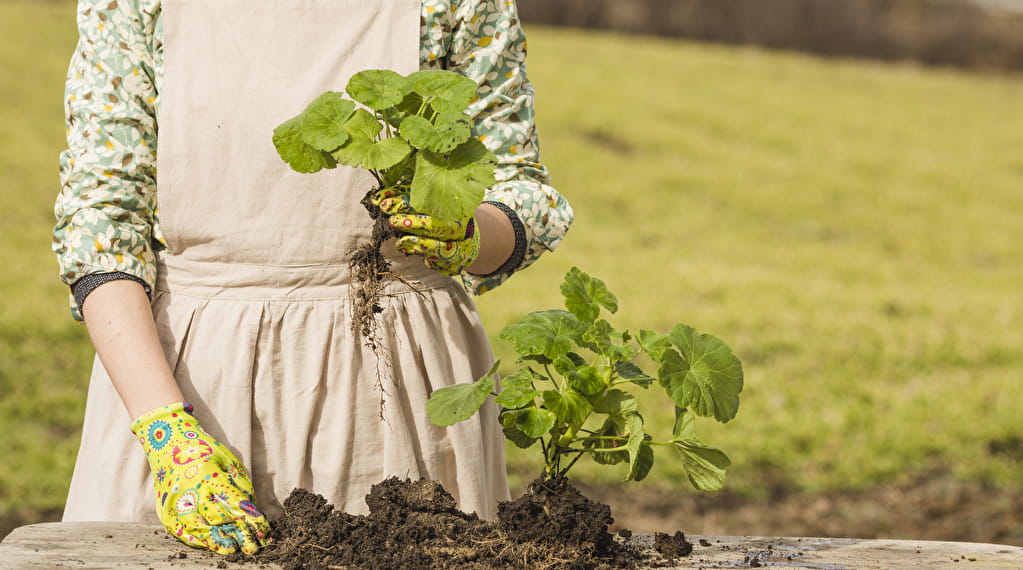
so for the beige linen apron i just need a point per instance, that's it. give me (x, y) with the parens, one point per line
(252, 306)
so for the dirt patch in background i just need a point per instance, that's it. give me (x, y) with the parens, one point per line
(933, 506)
(981, 34)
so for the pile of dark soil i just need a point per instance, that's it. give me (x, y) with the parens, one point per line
(415, 524)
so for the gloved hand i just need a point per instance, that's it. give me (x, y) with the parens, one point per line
(203, 493)
(448, 247)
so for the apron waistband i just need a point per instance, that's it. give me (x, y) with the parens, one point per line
(232, 280)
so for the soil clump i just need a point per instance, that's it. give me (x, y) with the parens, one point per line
(415, 524)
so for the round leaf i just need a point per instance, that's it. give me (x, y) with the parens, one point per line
(301, 157)
(517, 389)
(323, 121)
(509, 424)
(447, 91)
(570, 406)
(703, 375)
(378, 89)
(450, 405)
(547, 333)
(704, 465)
(535, 422)
(585, 295)
(640, 463)
(443, 135)
(451, 187)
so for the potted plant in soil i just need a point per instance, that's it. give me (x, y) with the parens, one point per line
(569, 398)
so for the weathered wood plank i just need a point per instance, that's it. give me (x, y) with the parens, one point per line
(101, 546)
(127, 545)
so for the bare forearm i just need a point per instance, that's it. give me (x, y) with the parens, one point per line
(497, 240)
(120, 323)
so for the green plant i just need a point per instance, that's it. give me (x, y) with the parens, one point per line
(411, 133)
(573, 405)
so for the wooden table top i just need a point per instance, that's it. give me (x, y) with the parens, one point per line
(102, 545)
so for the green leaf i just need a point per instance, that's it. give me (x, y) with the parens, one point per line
(565, 364)
(641, 463)
(629, 371)
(444, 134)
(585, 295)
(703, 375)
(637, 436)
(614, 402)
(409, 106)
(569, 406)
(301, 157)
(602, 337)
(451, 186)
(654, 344)
(588, 380)
(323, 122)
(363, 150)
(450, 405)
(515, 435)
(547, 333)
(447, 91)
(613, 426)
(363, 125)
(386, 153)
(538, 358)
(685, 425)
(517, 389)
(534, 422)
(378, 89)
(704, 465)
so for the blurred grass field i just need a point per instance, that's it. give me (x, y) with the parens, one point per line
(852, 229)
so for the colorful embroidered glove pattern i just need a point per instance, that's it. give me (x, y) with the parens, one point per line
(448, 247)
(203, 493)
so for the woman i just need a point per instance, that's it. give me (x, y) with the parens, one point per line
(214, 275)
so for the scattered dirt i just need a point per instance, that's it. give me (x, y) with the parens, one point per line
(672, 545)
(416, 524)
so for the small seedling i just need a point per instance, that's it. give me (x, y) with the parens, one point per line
(571, 394)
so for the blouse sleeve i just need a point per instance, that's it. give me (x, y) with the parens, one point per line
(486, 43)
(106, 207)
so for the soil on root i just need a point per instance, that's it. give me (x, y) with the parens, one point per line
(415, 524)
(370, 270)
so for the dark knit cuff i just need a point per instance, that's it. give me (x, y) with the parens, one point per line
(519, 252)
(89, 283)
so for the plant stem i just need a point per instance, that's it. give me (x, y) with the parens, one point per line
(571, 463)
(553, 378)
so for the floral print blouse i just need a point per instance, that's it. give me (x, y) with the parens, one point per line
(106, 210)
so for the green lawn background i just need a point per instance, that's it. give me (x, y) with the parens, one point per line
(852, 229)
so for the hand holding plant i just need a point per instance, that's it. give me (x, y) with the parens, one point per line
(571, 394)
(447, 247)
(413, 134)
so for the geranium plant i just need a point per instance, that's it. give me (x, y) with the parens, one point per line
(411, 133)
(572, 394)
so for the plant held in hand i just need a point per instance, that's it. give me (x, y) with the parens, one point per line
(571, 394)
(413, 135)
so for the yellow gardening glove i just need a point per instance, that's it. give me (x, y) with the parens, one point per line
(203, 493)
(448, 247)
